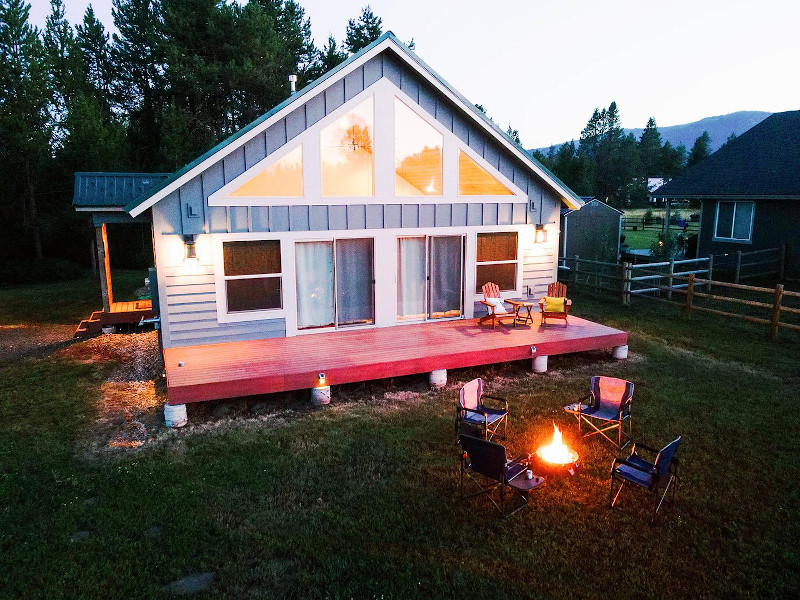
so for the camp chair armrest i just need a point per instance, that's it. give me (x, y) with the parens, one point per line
(643, 447)
(520, 459)
(622, 461)
(503, 400)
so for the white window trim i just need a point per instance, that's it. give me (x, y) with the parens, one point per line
(384, 92)
(749, 239)
(385, 253)
(220, 279)
(515, 293)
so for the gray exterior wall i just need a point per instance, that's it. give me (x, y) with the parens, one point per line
(775, 223)
(190, 301)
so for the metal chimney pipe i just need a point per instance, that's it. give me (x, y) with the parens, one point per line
(292, 84)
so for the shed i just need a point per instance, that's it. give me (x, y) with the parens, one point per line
(592, 232)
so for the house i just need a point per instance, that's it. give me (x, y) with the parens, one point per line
(749, 190)
(593, 232)
(345, 225)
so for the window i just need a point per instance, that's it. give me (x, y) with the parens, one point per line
(497, 260)
(283, 178)
(734, 221)
(348, 166)
(474, 180)
(417, 154)
(252, 275)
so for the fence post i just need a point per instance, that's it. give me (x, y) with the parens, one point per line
(575, 273)
(670, 278)
(710, 271)
(690, 293)
(626, 283)
(737, 267)
(776, 311)
(782, 263)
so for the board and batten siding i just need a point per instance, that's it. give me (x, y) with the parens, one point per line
(189, 311)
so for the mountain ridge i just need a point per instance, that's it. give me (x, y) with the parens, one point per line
(719, 129)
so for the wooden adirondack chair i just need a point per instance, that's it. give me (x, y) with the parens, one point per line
(495, 305)
(552, 306)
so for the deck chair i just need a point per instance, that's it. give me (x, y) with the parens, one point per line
(472, 411)
(555, 305)
(486, 465)
(495, 305)
(652, 476)
(605, 408)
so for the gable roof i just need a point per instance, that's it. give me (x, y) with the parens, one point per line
(111, 191)
(763, 162)
(387, 40)
(589, 200)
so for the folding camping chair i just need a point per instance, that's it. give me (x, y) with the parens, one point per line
(495, 305)
(472, 411)
(609, 408)
(555, 305)
(487, 461)
(651, 476)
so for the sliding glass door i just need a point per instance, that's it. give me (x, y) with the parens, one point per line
(430, 276)
(334, 283)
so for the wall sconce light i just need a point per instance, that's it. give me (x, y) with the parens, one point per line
(540, 235)
(191, 250)
(321, 382)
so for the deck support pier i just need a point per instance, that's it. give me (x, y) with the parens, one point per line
(438, 379)
(620, 352)
(321, 395)
(540, 364)
(175, 415)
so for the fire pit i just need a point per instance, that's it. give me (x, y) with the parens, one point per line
(557, 456)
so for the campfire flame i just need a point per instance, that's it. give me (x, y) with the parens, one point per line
(556, 452)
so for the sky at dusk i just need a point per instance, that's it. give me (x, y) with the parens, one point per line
(543, 66)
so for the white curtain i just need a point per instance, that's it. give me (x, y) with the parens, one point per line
(354, 298)
(314, 268)
(411, 288)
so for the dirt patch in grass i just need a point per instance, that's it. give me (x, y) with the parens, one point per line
(132, 394)
(25, 340)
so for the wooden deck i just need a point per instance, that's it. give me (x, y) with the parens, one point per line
(120, 313)
(234, 369)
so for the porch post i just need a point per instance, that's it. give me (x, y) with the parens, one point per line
(540, 364)
(101, 241)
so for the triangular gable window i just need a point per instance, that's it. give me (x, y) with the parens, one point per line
(417, 154)
(474, 180)
(281, 179)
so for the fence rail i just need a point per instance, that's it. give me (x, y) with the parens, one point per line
(758, 263)
(690, 280)
(657, 224)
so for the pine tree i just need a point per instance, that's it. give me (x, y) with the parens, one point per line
(700, 150)
(98, 69)
(363, 31)
(514, 134)
(672, 160)
(25, 124)
(650, 150)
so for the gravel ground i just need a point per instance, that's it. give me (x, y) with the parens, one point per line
(23, 341)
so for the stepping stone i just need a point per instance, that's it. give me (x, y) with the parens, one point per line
(191, 584)
(154, 531)
(79, 536)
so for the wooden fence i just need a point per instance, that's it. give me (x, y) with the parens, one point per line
(747, 265)
(690, 284)
(657, 224)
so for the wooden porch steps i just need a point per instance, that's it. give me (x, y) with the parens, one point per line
(121, 313)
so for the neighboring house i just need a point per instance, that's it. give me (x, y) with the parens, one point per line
(593, 232)
(750, 191)
(374, 197)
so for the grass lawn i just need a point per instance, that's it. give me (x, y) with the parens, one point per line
(359, 500)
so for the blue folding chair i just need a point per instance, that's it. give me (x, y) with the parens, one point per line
(486, 464)
(472, 411)
(605, 408)
(651, 476)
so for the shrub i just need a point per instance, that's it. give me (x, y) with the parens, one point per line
(39, 271)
